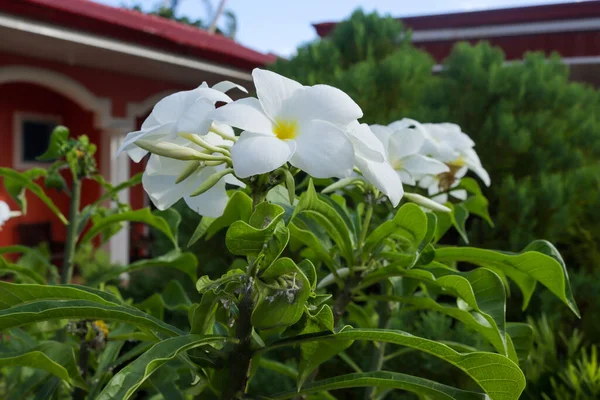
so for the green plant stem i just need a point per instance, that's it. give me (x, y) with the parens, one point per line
(241, 357)
(366, 222)
(378, 355)
(67, 271)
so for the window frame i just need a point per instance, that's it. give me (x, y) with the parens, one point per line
(18, 118)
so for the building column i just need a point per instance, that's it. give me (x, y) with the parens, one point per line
(116, 170)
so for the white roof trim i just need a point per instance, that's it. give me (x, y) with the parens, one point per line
(564, 60)
(57, 32)
(532, 28)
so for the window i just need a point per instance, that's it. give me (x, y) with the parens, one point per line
(31, 139)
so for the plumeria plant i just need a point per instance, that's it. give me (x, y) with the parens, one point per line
(336, 228)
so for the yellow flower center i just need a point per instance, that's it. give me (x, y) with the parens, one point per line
(459, 162)
(397, 165)
(286, 130)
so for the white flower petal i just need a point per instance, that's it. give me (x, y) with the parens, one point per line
(226, 86)
(196, 119)
(406, 177)
(323, 151)
(320, 102)
(405, 142)
(460, 194)
(419, 165)
(158, 132)
(383, 177)
(365, 143)
(232, 180)
(211, 203)
(273, 90)
(162, 189)
(383, 133)
(440, 198)
(246, 114)
(255, 154)
(150, 122)
(4, 212)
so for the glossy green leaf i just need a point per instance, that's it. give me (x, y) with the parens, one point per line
(144, 215)
(309, 239)
(173, 219)
(23, 273)
(15, 183)
(185, 262)
(521, 335)
(283, 289)
(316, 353)
(498, 376)
(238, 208)
(205, 284)
(173, 298)
(22, 304)
(125, 383)
(56, 358)
(58, 139)
(459, 216)
(113, 190)
(409, 222)
(476, 203)
(388, 380)
(249, 239)
(325, 215)
(543, 268)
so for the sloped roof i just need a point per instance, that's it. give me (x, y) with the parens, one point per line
(502, 16)
(136, 27)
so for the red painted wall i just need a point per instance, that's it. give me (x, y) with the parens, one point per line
(24, 97)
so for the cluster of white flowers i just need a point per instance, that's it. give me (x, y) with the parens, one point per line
(195, 152)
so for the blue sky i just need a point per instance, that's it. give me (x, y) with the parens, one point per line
(279, 26)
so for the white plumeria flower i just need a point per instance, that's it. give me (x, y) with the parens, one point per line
(447, 143)
(6, 213)
(445, 183)
(186, 112)
(402, 145)
(166, 180)
(304, 125)
(370, 158)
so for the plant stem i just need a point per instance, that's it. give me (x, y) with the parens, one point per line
(69, 253)
(241, 357)
(378, 355)
(366, 222)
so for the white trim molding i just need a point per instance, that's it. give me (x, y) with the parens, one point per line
(62, 84)
(488, 31)
(18, 118)
(105, 43)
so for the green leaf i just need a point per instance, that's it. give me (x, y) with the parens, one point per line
(546, 268)
(20, 271)
(238, 208)
(459, 216)
(310, 240)
(56, 358)
(144, 215)
(173, 218)
(316, 353)
(58, 140)
(16, 182)
(388, 380)
(521, 335)
(124, 384)
(113, 190)
(325, 215)
(249, 239)
(477, 203)
(23, 304)
(409, 222)
(497, 375)
(470, 319)
(444, 222)
(185, 262)
(283, 289)
(172, 298)
(205, 284)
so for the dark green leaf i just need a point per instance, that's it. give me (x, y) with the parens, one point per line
(58, 140)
